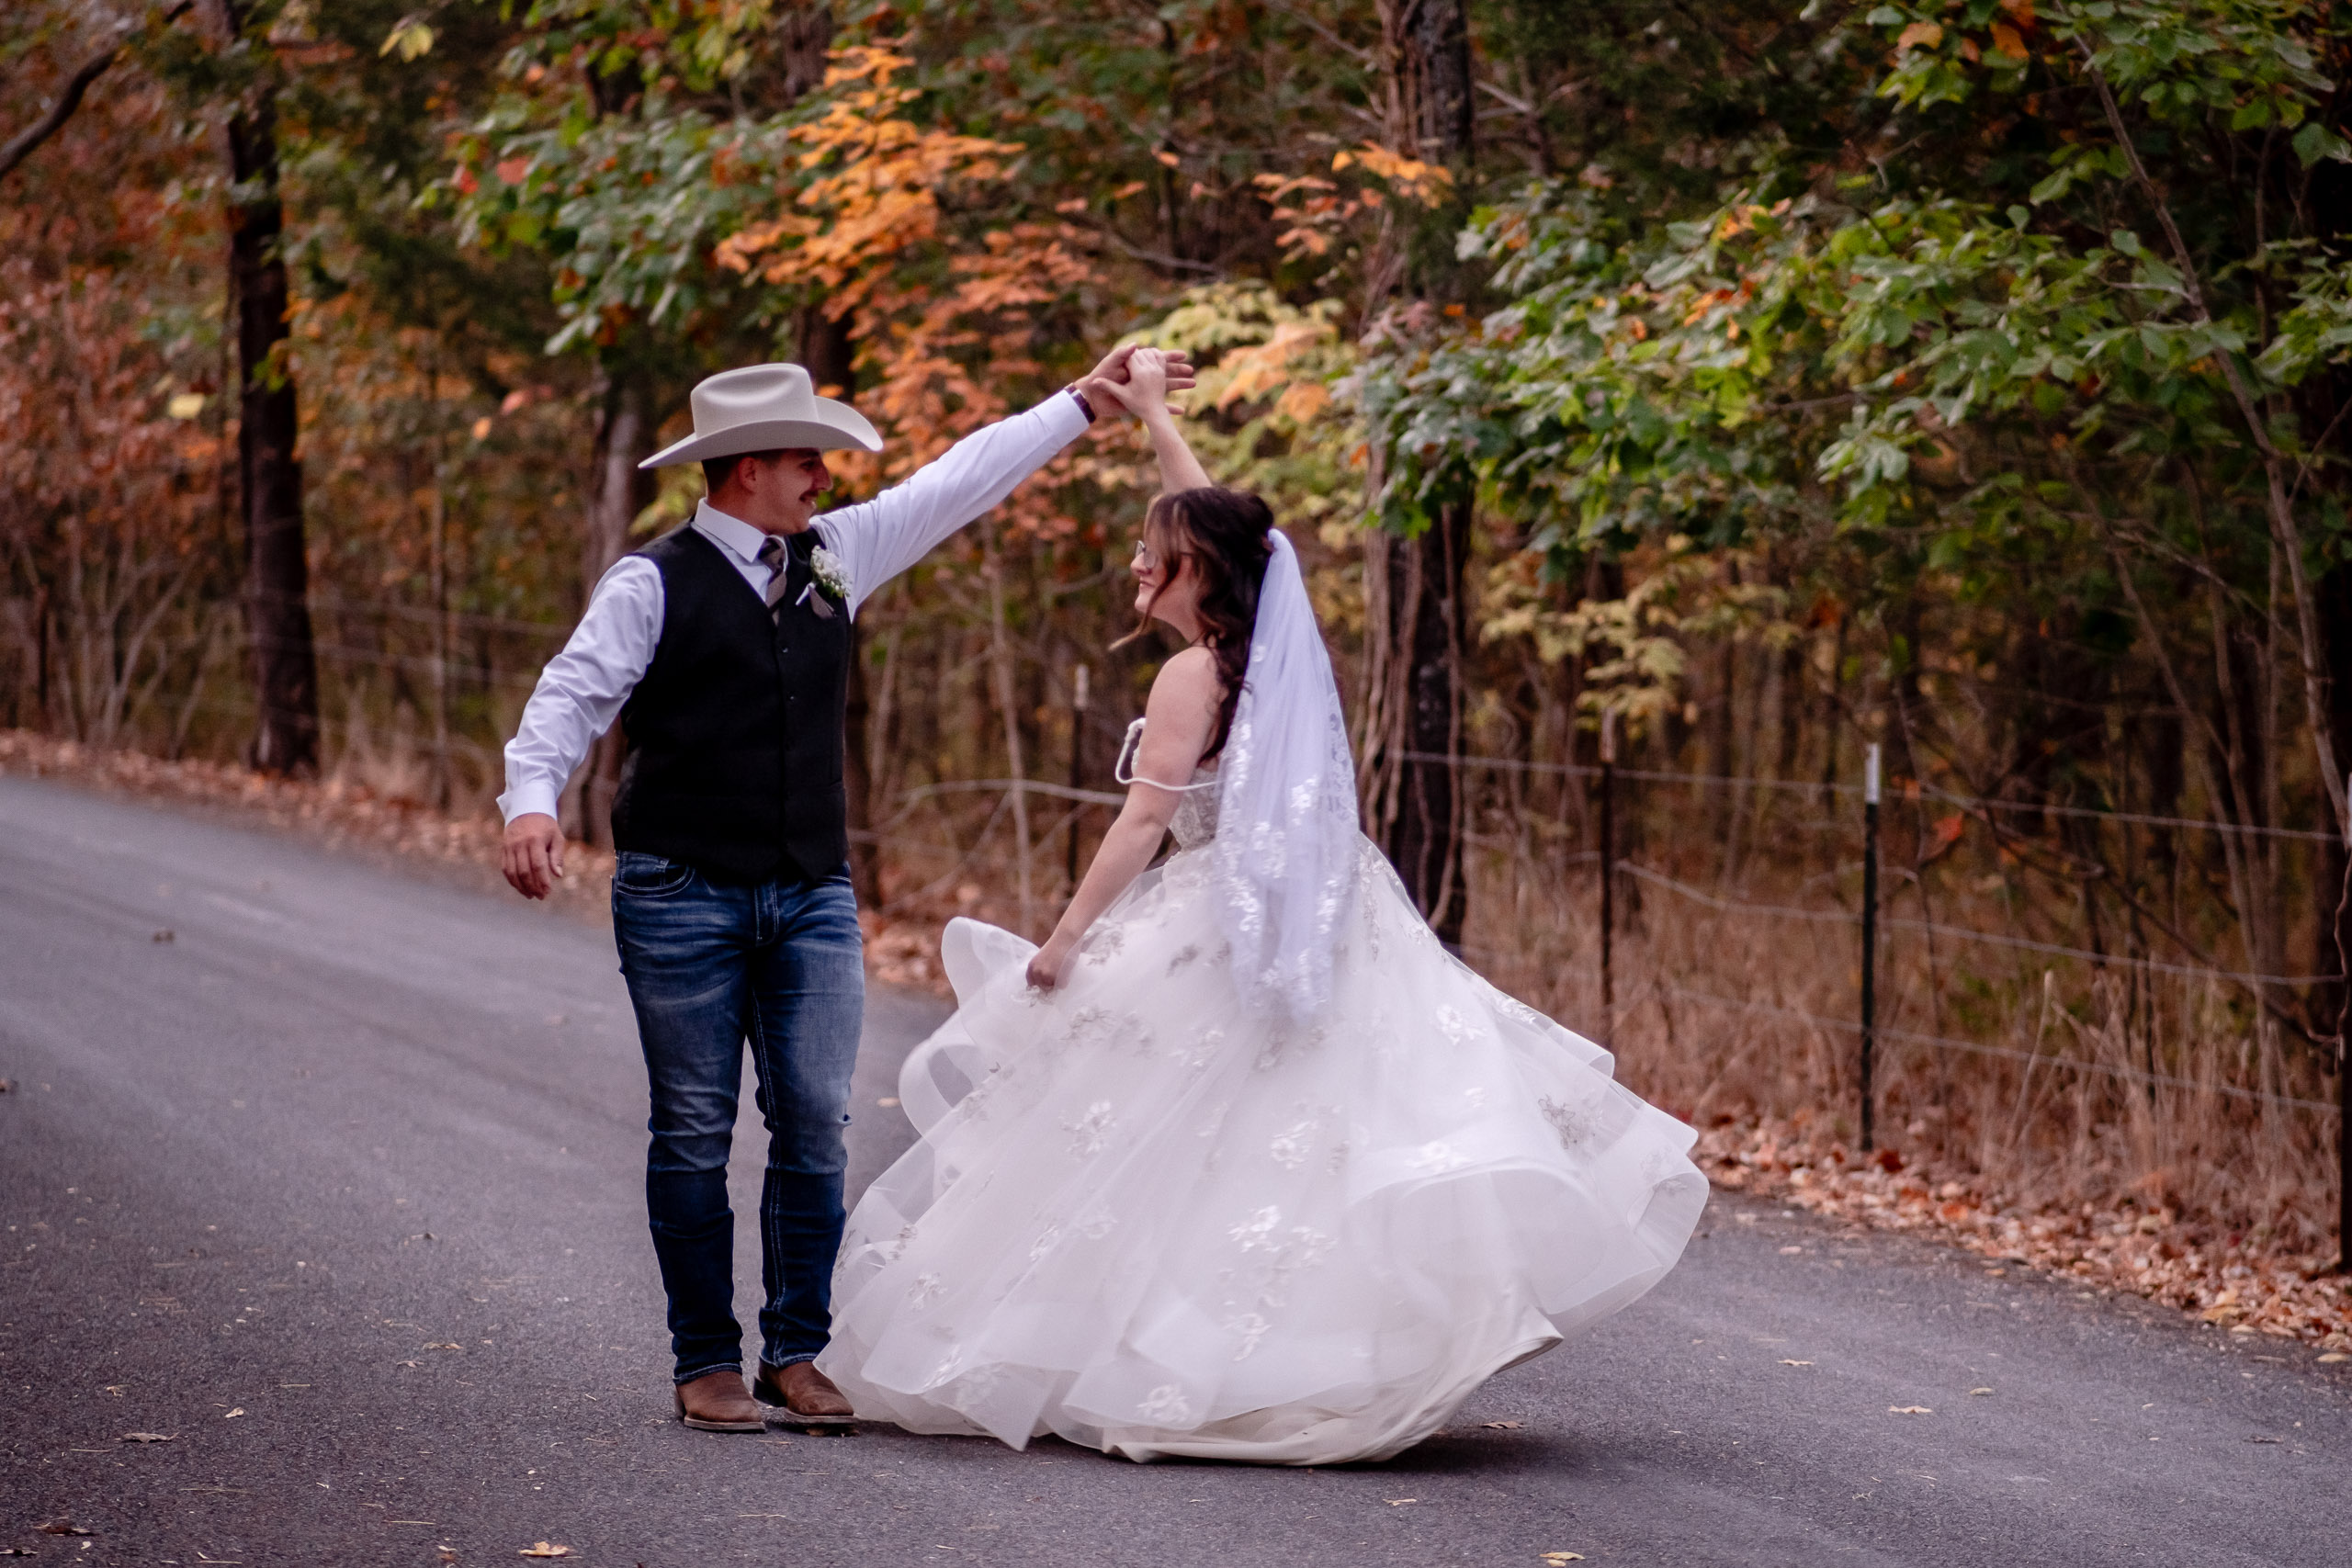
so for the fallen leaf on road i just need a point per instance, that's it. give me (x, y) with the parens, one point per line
(1790, 1251)
(1400, 1502)
(447, 1344)
(64, 1527)
(1502, 1425)
(2332, 1357)
(2265, 1439)
(13, 1550)
(235, 1413)
(1559, 1559)
(545, 1549)
(146, 1436)
(1980, 1390)
(1786, 1362)
(1908, 1410)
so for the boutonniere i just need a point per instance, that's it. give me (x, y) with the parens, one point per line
(826, 572)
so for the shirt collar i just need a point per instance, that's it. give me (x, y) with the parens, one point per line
(737, 537)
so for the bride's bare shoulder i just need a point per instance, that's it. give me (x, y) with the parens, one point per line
(1186, 686)
(1191, 673)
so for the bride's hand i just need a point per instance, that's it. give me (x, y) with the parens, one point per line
(1147, 377)
(1147, 385)
(1046, 967)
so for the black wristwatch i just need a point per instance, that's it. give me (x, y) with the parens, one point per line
(1080, 399)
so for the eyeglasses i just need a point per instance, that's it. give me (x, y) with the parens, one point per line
(1146, 560)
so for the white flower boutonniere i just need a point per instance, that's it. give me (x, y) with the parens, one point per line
(826, 572)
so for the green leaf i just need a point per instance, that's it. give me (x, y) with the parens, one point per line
(2316, 141)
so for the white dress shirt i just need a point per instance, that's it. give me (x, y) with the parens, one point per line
(581, 690)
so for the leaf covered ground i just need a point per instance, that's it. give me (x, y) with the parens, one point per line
(2226, 1279)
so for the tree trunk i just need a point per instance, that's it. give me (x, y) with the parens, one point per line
(1416, 705)
(1437, 47)
(2334, 927)
(1415, 653)
(278, 610)
(619, 492)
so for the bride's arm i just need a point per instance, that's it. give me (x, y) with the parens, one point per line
(1178, 717)
(1145, 395)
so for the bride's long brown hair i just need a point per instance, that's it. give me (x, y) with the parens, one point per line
(1223, 532)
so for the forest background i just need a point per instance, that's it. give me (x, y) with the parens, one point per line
(1749, 383)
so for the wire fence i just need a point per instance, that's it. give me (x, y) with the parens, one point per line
(1553, 866)
(2287, 994)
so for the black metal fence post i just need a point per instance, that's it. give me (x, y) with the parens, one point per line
(1078, 699)
(2343, 1064)
(1608, 873)
(1870, 942)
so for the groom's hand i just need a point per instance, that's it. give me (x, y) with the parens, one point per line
(1112, 372)
(533, 858)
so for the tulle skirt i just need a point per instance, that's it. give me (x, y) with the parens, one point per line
(1156, 1221)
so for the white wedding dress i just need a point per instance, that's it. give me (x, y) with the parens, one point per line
(1159, 1221)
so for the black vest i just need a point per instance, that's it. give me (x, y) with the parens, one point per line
(735, 730)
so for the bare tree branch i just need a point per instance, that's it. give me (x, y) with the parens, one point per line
(22, 144)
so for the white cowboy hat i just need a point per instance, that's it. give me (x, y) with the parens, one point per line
(765, 408)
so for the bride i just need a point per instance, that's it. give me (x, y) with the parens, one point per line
(1240, 1164)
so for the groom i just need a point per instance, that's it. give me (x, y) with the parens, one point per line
(723, 647)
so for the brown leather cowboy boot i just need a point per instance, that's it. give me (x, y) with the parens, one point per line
(716, 1402)
(809, 1401)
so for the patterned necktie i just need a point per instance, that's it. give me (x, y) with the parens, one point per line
(772, 557)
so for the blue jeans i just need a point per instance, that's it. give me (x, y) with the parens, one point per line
(709, 965)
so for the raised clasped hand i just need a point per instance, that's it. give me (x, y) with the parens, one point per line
(1112, 385)
(1151, 376)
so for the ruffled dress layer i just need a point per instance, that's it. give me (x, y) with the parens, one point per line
(1156, 1221)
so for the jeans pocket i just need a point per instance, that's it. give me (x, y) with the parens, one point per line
(642, 875)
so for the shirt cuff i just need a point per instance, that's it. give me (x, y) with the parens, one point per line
(524, 798)
(1064, 419)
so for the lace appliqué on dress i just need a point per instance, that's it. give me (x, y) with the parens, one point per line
(1166, 1407)
(1573, 1124)
(1091, 1133)
(1273, 1256)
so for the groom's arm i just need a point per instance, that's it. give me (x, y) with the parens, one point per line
(577, 696)
(880, 538)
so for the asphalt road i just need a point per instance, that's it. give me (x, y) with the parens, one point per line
(339, 1190)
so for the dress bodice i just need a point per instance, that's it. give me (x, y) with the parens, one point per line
(1194, 823)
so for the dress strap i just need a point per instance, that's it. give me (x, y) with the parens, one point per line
(1123, 771)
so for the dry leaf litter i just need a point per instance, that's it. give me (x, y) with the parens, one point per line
(2226, 1280)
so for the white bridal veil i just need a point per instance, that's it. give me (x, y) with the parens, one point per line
(1285, 845)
